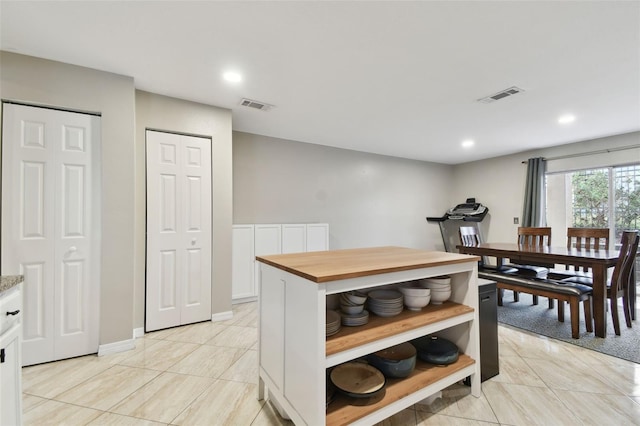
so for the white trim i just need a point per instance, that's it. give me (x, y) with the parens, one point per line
(138, 332)
(115, 347)
(222, 316)
(244, 300)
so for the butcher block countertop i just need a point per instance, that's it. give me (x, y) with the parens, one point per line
(333, 265)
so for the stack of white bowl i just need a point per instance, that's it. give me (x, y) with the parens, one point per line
(352, 302)
(416, 295)
(440, 288)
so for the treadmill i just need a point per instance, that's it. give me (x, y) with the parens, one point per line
(469, 213)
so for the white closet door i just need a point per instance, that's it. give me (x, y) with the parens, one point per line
(50, 226)
(178, 230)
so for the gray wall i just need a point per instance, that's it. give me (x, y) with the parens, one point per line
(42, 82)
(499, 182)
(175, 115)
(367, 199)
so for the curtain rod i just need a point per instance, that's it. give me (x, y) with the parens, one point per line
(583, 154)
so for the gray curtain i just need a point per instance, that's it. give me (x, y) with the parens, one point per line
(534, 210)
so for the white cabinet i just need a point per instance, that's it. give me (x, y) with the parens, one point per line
(10, 357)
(294, 238)
(317, 237)
(243, 262)
(253, 240)
(294, 355)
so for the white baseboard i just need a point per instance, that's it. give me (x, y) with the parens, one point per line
(138, 332)
(244, 300)
(115, 347)
(222, 316)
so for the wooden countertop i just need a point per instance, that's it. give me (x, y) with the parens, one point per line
(333, 265)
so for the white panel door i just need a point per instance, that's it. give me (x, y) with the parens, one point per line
(294, 238)
(243, 258)
(317, 236)
(51, 227)
(178, 230)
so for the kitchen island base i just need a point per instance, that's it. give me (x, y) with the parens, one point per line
(295, 355)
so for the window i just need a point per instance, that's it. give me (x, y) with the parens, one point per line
(595, 198)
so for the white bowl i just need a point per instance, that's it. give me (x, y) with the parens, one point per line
(351, 310)
(437, 297)
(356, 297)
(415, 303)
(435, 286)
(415, 291)
(443, 279)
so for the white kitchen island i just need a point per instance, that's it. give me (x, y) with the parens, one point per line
(294, 353)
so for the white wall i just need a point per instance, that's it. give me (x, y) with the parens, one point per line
(367, 199)
(499, 182)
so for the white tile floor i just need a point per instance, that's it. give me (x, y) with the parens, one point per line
(206, 374)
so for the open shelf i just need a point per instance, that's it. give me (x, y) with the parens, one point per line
(345, 410)
(379, 328)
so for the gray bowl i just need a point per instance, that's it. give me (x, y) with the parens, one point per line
(396, 361)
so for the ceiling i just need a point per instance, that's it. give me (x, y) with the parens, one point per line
(396, 78)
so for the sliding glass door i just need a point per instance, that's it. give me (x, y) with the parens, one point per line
(595, 198)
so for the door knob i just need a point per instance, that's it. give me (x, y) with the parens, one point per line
(73, 248)
(193, 242)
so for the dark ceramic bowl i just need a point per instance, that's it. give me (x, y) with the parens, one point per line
(395, 362)
(436, 350)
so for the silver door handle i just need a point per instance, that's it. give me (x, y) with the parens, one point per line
(72, 249)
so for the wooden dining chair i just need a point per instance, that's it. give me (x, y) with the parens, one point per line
(533, 236)
(582, 239)
(621, 280)
(469, 236)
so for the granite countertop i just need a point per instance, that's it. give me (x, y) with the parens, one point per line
(9, 281)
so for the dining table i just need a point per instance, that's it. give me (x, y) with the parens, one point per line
(599, 261)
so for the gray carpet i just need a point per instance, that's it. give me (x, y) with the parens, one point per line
(541, 320)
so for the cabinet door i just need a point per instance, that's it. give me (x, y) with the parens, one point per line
(272, 314)
(294, 238)
(317, 236)
(243, 261)
(10, 383)
(268, 240)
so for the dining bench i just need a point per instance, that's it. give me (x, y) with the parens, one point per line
(572, 293)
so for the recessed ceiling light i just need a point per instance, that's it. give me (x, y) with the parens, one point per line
(232, 77)
(467, 143)
(566, 119)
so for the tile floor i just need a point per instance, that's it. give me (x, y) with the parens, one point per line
(205, 374)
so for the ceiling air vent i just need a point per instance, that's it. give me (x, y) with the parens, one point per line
(501, 95)
(249, 103)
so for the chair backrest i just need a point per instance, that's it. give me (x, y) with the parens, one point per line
(588, 238)
(622, 271)
(469, 236)
(534, 236)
